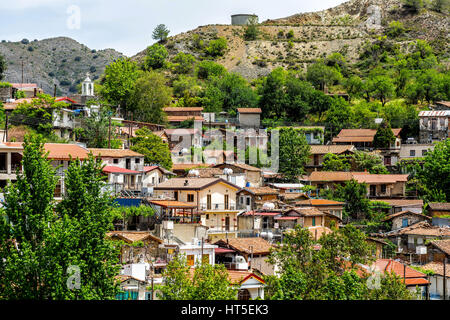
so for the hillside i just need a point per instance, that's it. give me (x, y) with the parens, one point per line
(344, 29)
(61, 61)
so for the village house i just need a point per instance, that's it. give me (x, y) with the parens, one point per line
(319, 151)
(434, 125)
(405, 219)
(378, 185)
(437, 279)
(176, 115)
(398, 205)
(438, 209)
(124, 168)
(260, 223)
(182, 138)
(214, 199)
(253, 175)
(131, 288)
(249, 117)
(411, 240)
(438, 250)
(415, 151)
(379, 245)
(334, 207)
(288, 188)
(254, 250)
(362, 139)
(307, 217)
(254, 198)
(155, 175)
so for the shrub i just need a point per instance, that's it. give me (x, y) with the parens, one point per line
(216, 48)
(395, 29)
(25, 41)
(290, 34)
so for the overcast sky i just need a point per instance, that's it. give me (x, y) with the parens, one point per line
(127, 25)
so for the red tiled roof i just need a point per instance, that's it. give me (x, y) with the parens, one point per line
(249, 110)
(150, 168)
(112, 169)
(411, 276)
(183, 118)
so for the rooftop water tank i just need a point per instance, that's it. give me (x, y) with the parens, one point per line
(242, 19)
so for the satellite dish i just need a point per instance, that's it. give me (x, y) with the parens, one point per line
(227, 171)
(194, 172)
(269, 205)
(378, 120)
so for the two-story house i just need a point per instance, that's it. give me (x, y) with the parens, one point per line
(214, 198)
(318, 152)
(434, 125)
(176, 115)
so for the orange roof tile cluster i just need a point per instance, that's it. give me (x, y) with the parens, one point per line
(235, 276)
(189, 166)
(380, 178)
(245, 245)
(335, 149)
(114, 153)
(307, 211)
(443, 245)
(437, 268)
(207, 172)
(133, 236)
(319, 202)
(440, 206)
(260, 191)
(411, 276)
(424, 229)
(114, 169)
(249, 110)
(359, 135)
(242, 166)
(406, 212)
(332, 176)
(402, 202)
(172, 204)
(61, 151)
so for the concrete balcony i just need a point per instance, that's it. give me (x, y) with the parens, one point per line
(217, 207)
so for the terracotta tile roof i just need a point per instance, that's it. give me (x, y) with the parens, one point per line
(406, 212)
(244, 245)
(114, 153)
(380, 178)
(440, 206)
(331, 176)
(437, 268)
(150, 168)
(443, 245)
(192, 183)
(235, 276)
(172, 204)
(286, 218)
(424, 229)
(178, 109)
(133, 236)
(402, 202)
(307, 211)
(113, 169)
(411, 276)
(335, 149)
(293, 196)
(260, 191)
(242, 166)
(319, 202)
(208, 172)
(61, 151)
(23, 85)
(359, 135)
(249, 110)
(183, 118)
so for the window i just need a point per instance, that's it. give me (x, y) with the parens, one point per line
(383, 188)
(190, 198)
(190, 260)
(314, 221)
(404, 222)
(244, 294)
(116, 161)
(226, 201)
(424, 153)
(137, 160)
(412, 153)
(248, 201)
(208, 202)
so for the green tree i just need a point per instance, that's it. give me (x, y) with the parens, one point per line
(272, 94)
(251, 31)
(85, 218)
(372, 163)
(381, 88)
(395, 29)
(155, 57)
(160, 33)
(384, 137)
(434, 176)
(321, 75)
(2, 67)
(294, 153)
(216, 48)
(183, 63)
(152, 147)
(354, 86)
(119, 82)
(206, 69)
(333, 162)
(25, 270)
(95, 130)
(150, 95)
(354, 194)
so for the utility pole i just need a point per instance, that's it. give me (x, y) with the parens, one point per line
(5, 136)
(202, 251)
(445, 279)
(109, 132)
(22, 70)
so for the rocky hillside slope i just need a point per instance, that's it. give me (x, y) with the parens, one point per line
(345, 28)
(61, 61)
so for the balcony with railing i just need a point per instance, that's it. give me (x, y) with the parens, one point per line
(217, 207)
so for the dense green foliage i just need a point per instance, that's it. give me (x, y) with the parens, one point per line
(2, 67)
(160, 33)
(293, 153)
(152, 147)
